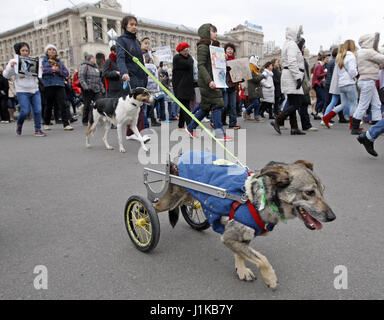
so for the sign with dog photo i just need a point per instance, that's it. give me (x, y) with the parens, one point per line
(27, 66)
(219, 66)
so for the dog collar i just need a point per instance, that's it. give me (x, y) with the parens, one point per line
(263, 201)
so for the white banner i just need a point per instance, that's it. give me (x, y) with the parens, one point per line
(240, 70)
(219, 66)
(162, 54)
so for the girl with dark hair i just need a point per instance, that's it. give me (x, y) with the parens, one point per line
(27, 90)
(317, 83)
(129, 70)
(268, 88)
(229, 94)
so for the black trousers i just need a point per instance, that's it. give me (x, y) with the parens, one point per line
(184, 118)
(295, 101)
(4, 114)
(304, 115)
(56, 97)
(266, 106)
(88, 97)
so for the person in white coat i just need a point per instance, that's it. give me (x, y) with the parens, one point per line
(346, 70)
(369, 60)
(291, 79)
(268, 88)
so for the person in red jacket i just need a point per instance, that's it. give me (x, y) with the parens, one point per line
(76, 83)
(319, 74)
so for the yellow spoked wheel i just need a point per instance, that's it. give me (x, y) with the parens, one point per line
(195, 217)
(142, 223)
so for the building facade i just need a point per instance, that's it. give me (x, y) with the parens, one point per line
(84, 30)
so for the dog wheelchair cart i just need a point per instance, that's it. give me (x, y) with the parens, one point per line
(141, 220)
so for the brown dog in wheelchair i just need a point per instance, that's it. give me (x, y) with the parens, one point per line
(298, 193)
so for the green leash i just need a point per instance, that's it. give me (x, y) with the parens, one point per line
(137, 61)
(272, 206)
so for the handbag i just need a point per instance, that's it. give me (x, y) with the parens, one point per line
(306, 85)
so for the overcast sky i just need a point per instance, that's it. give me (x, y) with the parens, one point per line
(324, 23)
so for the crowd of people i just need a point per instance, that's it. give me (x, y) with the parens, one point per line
(348, 83)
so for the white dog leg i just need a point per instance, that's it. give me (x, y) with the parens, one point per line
(92, 128)
(141, 139)
(120, 129)
(107, 126)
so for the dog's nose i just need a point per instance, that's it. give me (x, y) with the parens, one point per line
(330, 216)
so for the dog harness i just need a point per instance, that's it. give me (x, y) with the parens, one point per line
(207, 168)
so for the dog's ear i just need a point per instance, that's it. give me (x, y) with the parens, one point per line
(307, 164)
(278, 174)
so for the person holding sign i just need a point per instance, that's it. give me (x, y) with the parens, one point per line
(229, 93)
(27, 90)
(54, 75)
(211, 96)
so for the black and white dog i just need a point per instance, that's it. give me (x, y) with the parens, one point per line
(121, 112)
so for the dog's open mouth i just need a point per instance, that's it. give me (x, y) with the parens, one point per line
(310, 222)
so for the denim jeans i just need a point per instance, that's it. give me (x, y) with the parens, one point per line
(215, 118)
(348, 97)
(171, 110)
(376, 130)
(332, 104)
(255, 106)
(145, 109)
(28, 101)
(368, 97)
(230, 106)
(320, 96)
(160, 108)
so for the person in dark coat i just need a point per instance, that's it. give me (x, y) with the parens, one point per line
(279, 97)
(129, 70)
(182, 80)
(111, 75)
(4, 88)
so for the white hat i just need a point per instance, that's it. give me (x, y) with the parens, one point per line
(254, 60)
(50, 46)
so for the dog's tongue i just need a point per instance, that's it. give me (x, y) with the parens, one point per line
(312, 223)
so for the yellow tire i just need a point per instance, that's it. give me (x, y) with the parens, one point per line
(142, 223)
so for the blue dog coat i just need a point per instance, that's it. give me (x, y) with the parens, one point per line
(207, 168)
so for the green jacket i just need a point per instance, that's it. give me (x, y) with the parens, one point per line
(208, 96)
(255, 89)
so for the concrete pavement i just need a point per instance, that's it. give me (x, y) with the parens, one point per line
(62, 207)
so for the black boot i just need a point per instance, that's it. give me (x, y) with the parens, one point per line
(355, 127)
(154, 123)
(368, 144)
(341, 117)
(276, 126)
(297, 132)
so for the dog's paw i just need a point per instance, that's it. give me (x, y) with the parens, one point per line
(270, 279)
(245, 274)
(110, 148)
(122, 150)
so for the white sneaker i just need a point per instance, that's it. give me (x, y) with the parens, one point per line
(205, 120)
(132, 137)
(68, 128)
(323, 124)
(146, 138)
(313, 129)
(47, 128)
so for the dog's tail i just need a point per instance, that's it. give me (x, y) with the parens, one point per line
(173, 216)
